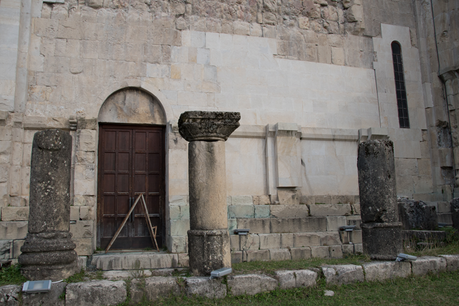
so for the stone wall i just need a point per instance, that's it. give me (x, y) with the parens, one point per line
(311, 79)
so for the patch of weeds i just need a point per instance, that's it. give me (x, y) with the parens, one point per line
(76, 278)
(127, 302)
(99, 249)
(148, 249)
(181, 283)
(11, 275)
(451, 234)
(62, 295)
(99, 275)
(136, 272)
(180, 273)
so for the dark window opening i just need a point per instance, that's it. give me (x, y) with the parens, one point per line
(402, 103)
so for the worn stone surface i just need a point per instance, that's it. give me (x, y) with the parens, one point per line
(452, 262)
(251, 284)
(95, 293)
(296, 278)
(382, 241)
(9, 295)
(376, 168)
(48, 252)
(126, 261)
(417, 215)
(208, 126)
(343, 274)
(205, 287)
(426, 264)
(379, 271)
(154, 288)
(208, 250)
(51, 298)
(381, 229)
(330, 209)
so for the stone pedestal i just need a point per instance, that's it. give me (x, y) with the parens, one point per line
(208, 237)
(48, 251)
(381, 229)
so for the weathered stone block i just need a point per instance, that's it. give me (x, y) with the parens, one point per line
(426, 264)
(320, 251)
(279, 254)
(141, 261)
(241, 200)
(13, 230)
(287, 241)
(256, 226)
(261, 255)
(236, 257)
(251, 284)
(388, 236)
(336, 251)
(262, 211)
(306, 239)
(203, 286)
(330, 209)
(9, 295)
(379, 271)
(249, 242)
(5, 248)
(82, 229)
(300, 253)
(154, 288)
(74, 213)
(296, 278)
(95, 293)
(47, 298)
(15, 213)
(329, 239)
(452, 262)
(335, 222)
(269, 241)
(261, 200)
(289, 211)
(455, 212)
(417, 215)
(295, 225)
(343, 274)
(287, 196)
(241, 211)
(84, 246)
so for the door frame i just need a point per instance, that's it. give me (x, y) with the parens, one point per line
(162, 231)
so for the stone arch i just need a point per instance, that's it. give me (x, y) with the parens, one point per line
(132, 105)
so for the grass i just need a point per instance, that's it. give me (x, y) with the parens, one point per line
(11, 276)
(433, 290)
(269, 267)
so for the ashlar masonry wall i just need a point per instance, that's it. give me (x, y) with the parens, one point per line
(301, 74)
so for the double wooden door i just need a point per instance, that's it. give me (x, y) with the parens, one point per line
(131, 162)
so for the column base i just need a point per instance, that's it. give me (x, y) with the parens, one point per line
(382, 241)
(48, 256)
(209, 250)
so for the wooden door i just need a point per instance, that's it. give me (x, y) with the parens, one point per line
(131, 162)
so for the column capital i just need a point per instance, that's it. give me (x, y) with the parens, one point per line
(208, 126)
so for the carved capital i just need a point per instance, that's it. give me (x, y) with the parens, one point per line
(208, 126)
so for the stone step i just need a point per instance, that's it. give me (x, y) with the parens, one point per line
(332, 251)
(138, 261)
(255, 242)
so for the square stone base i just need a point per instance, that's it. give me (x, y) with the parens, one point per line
(382, 241)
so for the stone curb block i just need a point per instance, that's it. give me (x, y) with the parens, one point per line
(9, 295)
(250, 284)
(95, 293)
(379, 271)
(48, 298)
(424, 265)
(154, 288)
(452, 262)
(343, 274)
(204, 286)
(296, 278)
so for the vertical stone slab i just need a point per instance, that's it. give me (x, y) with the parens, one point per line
(208, 237)
(381, 229)
(48, 251)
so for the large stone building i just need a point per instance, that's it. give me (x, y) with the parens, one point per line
(311, 79)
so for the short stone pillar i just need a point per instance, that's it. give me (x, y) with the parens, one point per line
(381, 229)
(208, 237)
(48, 251)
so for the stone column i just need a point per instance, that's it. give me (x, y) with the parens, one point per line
(208, 237)
(381, 229)
(48, 251)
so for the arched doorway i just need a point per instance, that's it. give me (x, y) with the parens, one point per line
(131, 161)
